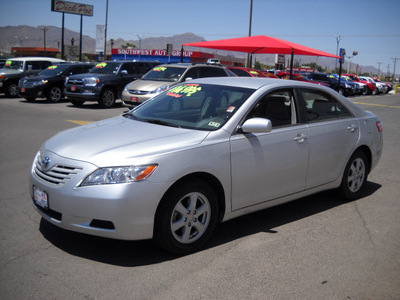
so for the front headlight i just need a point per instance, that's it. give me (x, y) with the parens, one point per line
(126, 87)
(113, 175)
(41, 82)
(347, 86)
(160, 89)
(90, 81)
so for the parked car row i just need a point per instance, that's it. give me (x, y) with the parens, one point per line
(137, 81)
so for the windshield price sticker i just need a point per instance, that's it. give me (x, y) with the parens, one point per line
(101, 65)
(187, 90)
(254, 72)
(159, 69)
(214, 124)
(8, 63)
(52, 68)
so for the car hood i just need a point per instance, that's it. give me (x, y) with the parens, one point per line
(121, 140)
(86, 75)
(149, 85)
(37, 77)
(10, 71)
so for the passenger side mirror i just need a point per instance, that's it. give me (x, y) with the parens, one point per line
(124, 72)
(188, 79)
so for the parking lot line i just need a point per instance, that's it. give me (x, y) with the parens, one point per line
(376, 105)
(80, 122)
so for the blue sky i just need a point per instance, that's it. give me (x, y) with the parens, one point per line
(371, 27)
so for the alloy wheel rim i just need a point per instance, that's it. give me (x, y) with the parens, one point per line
(356, 175)
(190, 218)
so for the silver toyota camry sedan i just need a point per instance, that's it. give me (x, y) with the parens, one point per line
(204, 152)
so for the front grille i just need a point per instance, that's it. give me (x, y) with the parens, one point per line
(75, 81)
(58, 174)
(137, 92)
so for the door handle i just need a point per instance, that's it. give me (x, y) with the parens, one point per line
(300, 138)
(352, 128)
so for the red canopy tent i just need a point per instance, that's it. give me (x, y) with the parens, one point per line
(261, 44)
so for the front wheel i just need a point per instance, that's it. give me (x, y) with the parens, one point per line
(54, 94)
(107, 98)
(77, 103)
(186, 217)
(375, 91)
(11, 90)
(354, 176)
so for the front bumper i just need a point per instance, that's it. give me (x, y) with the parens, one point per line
(132, 99)
(84, 93)
(27, 92)
(120, 211)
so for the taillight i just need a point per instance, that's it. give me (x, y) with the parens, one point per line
(379, 125)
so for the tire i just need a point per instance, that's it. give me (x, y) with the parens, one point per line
(375, 91)
(77, 103)
(11, 90)
(107, 98)
(186, 217)
(342, 91)
(54, 94)
(354, 176)
(30, 99)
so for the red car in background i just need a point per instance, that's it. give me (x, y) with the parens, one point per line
(246, 72)
(299, 77)
(370, 84)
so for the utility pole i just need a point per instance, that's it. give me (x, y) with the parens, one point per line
(44, 39)
(379, 67)
(394, 68)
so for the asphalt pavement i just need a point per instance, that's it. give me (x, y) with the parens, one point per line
(317, 247)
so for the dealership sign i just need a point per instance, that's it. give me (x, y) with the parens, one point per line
(72, 8)
(151, 52)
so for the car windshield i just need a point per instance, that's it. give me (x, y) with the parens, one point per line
(193, 106)
(54, 70)
(14, 65)
(164, 73)
(106, 68)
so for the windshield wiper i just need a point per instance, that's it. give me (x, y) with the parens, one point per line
(160, 122)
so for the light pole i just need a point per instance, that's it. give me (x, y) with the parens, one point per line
(338, 39)
(348, 65)
(140, 43)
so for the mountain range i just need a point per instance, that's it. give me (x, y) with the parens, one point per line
(28, 36)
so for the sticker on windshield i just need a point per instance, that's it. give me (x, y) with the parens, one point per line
(254, 72)
(214, 124)
(159, 69)
(8, 63)
(101, 65)
(230, 109)
(187, 90)
(52, 68)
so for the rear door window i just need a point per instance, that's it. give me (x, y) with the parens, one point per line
(321, 106)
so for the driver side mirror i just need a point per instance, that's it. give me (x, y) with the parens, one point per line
(124, 72)
(255, 125)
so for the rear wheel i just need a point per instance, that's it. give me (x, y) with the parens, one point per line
(54, 94)
(186, 217)
(354, 176)
(107, 98)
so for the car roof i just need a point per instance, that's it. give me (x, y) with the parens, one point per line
(254, 82)
(36, 58)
